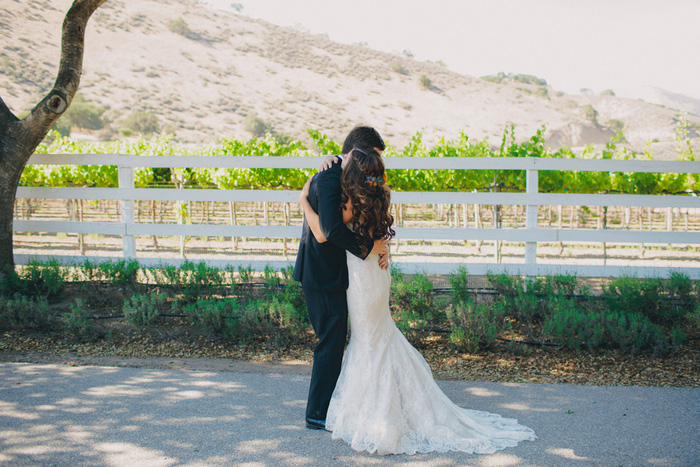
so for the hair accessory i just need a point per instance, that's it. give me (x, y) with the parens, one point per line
(375, 180)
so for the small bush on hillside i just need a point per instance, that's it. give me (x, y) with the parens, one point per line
(396, 67)
(256, 126)
(84, 114)
(425, 82)
(590, 113)
(140, 122)
(179, 26)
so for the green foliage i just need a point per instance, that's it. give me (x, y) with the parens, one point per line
(77, 321)
(122, 272)
(459, 283)
(400, 180)
(413, 303)
(179, 26)
(415, 294)
(218, 315)
(199, 280)
(663, 302)
(425, 82)
(324, 144)
(556, 309)
(144, 309)
(142, 122)
(24, 313)
(84, 114)
(396, 67)
(502, 77)
(42, 279)
(542, 91)
(474, 327)
(256, 126)
(590, 113)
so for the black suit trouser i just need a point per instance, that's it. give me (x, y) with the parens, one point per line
(328, 313)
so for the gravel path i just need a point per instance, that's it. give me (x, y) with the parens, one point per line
(56, 414)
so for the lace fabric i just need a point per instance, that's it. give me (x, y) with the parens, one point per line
(386, 400)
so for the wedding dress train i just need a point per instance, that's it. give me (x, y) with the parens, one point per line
(386, 400)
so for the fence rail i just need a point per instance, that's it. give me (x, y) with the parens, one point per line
(532, 199)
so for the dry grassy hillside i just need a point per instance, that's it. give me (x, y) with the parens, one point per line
(203, 72)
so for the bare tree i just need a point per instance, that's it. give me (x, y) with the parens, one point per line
(19, 138)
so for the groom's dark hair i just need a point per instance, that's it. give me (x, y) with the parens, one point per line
(363, 137)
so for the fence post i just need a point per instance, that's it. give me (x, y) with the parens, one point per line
(126, 181)
(531, 188)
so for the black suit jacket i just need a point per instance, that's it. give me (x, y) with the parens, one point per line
(323, 266)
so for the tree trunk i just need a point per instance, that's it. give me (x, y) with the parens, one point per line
(19, 138)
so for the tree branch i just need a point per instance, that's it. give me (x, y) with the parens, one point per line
(6, 117)
(37, 123)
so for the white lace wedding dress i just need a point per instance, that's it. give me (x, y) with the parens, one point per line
(386, 400)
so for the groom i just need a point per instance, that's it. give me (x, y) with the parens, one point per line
(322, 270)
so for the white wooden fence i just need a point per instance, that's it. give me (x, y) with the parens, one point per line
(532, 199)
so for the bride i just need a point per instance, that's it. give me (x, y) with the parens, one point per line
(386, 400)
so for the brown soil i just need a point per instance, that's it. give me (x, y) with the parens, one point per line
(184, 348)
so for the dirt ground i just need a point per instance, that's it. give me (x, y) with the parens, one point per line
(506, 364)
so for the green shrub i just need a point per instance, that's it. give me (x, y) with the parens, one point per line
(140, 122)
(179, 26)
(459, 283)
(293, 294)
(425, 82)
(542, 92)
(43, 279)
(682, 293)
(76, 322)
(83, 114)
(396, 67)
(242, 285)
(590, 113)
(122, 272)
(144, 309)
(218, 315)
(661, 303)
(473, 327)
(10, 284)
(24, 313)
(167, 275)
(633, 332)
(572, 326)
(415, 294)
(616, 125)
(256, 126)
(199, 280)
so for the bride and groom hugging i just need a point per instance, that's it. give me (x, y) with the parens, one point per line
(381, 396)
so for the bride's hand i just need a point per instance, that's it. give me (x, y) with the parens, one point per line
(328, 162)
(380, 247)
(384, 261)
(305, 191)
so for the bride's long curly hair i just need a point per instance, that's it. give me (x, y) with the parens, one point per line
(364, 183)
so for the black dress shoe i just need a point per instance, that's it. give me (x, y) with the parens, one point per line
(312, 424)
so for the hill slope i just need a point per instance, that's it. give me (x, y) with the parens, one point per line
(203, 72)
